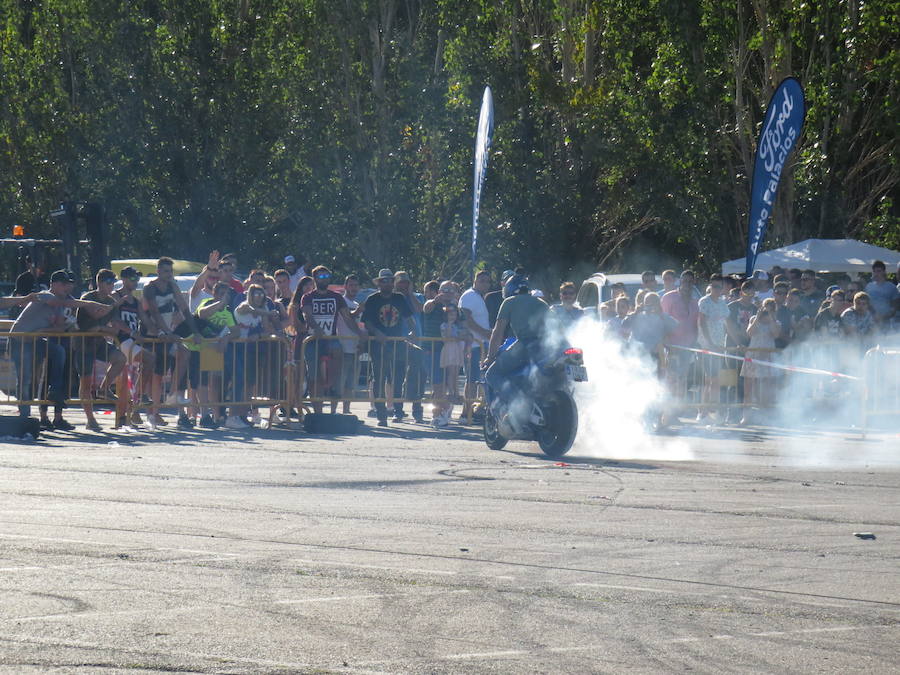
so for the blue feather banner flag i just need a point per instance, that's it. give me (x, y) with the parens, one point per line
(482, 145)
(779, 136)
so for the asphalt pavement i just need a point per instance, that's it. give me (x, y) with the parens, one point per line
(414, 550)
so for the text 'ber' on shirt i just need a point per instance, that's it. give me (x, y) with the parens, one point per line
(387, 314)
(324, 306)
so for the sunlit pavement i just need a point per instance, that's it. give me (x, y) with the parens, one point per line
(410, 549)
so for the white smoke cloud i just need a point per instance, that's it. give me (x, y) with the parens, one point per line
(614, 406)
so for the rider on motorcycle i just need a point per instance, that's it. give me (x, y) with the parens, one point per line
(525, 315)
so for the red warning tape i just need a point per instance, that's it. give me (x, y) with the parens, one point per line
(779, 366)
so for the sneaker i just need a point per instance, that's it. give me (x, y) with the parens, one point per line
(281, 415)
(184, 422)
(255, 418)
(372, 413)
(206, 421)
(62, 425)
(399, 415)
(235, 422)
(93, 425)
(382, 423)
(46, 425)
(136, 420)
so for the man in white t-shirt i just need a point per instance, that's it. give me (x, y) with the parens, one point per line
(295, 269)
(473, 307)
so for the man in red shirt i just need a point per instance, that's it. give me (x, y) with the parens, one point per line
(681, 305)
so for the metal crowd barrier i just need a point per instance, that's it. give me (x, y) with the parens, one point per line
(881, 369)
(388, 371)
(709, 383)
(263, 372)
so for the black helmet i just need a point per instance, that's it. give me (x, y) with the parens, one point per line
(516, 284)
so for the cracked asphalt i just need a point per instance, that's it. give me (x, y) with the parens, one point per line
(409, 550)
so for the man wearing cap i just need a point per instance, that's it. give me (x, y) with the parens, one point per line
(294, 270)
(45, 314)
(763, 286)
(90, 349)
(387, 314)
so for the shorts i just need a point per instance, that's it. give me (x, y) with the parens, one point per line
(163, 356)
(88, 350)
(130, 349)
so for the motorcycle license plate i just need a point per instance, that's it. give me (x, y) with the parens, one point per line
(577, 373)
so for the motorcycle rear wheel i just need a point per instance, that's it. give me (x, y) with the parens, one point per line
(492, 436)
(561, 416)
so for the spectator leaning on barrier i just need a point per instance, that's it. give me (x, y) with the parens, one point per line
(387, 314)
(90, 349)
(882, 293)
(712, 316)
(45, 314)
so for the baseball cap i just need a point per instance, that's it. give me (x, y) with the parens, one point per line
(401, 276)
(538, 293)
(289, 258)
(384, 273)
(832, 289)
(66, 276)
(108, 275)
(129, 273)
(505, 276)
(761, 275)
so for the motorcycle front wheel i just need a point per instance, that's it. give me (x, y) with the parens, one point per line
(492, 436)
(561, 424)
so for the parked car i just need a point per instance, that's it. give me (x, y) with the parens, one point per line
(597, 288)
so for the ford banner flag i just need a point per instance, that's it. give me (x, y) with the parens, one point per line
(780, 134)
(482, 146)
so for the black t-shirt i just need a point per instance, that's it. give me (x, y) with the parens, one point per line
(128, 314)
(492, 301)
(785, 320)
(741, 315)
(387, 314)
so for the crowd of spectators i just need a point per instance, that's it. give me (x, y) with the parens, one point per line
(164, 330)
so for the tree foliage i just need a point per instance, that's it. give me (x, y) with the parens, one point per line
(344, 128)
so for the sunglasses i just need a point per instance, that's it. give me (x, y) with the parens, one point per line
(323, 276)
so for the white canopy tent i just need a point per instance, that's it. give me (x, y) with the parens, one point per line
(821, 255)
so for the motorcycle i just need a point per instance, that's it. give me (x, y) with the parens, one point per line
(544, 410)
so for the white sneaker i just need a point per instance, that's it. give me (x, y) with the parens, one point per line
(235, 422)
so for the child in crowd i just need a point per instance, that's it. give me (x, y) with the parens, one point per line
(454, 355)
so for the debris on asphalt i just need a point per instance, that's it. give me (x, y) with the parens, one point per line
(464, 550)
(839, 482)
(806, 484)
(864, 535)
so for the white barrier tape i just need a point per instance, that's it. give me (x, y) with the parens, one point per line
(779, 366)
